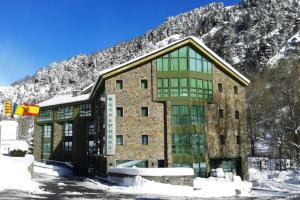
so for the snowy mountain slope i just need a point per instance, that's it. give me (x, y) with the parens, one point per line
(246, 35)
(290, 50)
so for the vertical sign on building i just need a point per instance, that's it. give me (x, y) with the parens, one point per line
(110, 124)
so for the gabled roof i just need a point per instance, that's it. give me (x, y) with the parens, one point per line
(195, 42)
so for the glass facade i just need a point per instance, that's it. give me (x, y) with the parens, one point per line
(184, 87)
(46, 142)
(45, 115)
(184, 73)
(184, 77)
(65, 112)
(188, 114)
(85, 110)
(68, 136)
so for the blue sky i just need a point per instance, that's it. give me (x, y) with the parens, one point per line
(34, 33)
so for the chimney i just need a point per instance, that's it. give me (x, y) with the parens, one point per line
(75, 93)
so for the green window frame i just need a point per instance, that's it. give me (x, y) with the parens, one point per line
(181, 143)
(174, 83)
(68, 129)
(188, 143)
(46, 142)
(197, 114)
(45, 115)
(184, 59)
(197, 142)
(68, 136)
(163, 87)
(85, 110)
(184, 89)
(180, 115)
(65, 112)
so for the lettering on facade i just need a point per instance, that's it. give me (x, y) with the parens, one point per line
(110, 125)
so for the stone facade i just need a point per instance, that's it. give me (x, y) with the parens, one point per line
(133, 125)
(37, 143)
(158, 124)
(228, 125)
(78, 155)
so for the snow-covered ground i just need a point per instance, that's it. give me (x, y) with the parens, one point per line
(203, 187)
(277, 181)
(51, 169)
(14, 174)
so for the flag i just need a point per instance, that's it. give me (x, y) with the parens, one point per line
(18, 109)
(7, 108)
(31, 110)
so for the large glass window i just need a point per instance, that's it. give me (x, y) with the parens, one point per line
(46, 145)
(68, 129)
(45, 115)
(187, 143)
(65, 112)
(184, 114)
(197, 114)
(85, 110)
(185, 87)
(184, 59)
(175, 61)
(174, 87)
(68, 133)
(91, 138)
(162, 87)
(180, 115)
(183, 91)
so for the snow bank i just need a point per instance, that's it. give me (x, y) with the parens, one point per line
(225, 186)
(15, 175)
(153, 171)
(202, 187)
(18, 145)
(219, 173)
(51, 169)
(280, 181)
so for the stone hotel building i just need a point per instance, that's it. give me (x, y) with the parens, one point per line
(177, 106)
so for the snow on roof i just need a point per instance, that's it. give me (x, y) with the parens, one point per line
(64, 99)
(198, 41)
(87, 88)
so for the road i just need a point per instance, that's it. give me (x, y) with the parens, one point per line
(56, 188)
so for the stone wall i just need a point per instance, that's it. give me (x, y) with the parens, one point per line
(228, 126)
(132, 126)
(37, 143)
